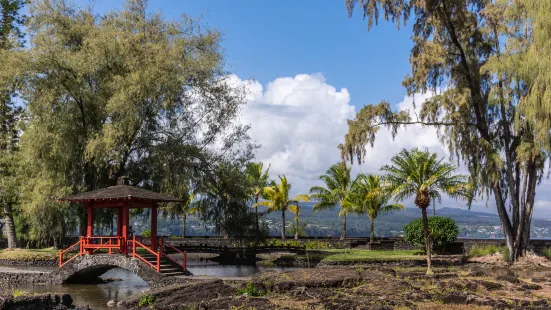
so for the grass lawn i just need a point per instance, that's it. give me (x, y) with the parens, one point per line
(367, 255)
(30, 254)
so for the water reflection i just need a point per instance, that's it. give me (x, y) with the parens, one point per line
(95, 296)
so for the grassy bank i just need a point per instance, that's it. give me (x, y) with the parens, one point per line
(29, 254)
(370, 256)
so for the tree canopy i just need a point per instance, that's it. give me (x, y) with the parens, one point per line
(484, 103)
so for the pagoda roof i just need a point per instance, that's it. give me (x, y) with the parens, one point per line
(120, 192)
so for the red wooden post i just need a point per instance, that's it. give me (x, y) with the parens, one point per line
(81, 245)
(154, 227)
(60, 258)
(90, 228)
(134, 246)
(125, 228)
(119, 227)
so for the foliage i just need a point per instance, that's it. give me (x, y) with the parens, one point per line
(277, 199)
(146, 301)
(443, 232)
(17, 293)
(486, 65)
(479, 251)
(420, 174)
(370, 196)
(546, 252)
(370, 255)
(46, 254)
(251, 290)
(258, 180)
(223, 200)
(337, 191)
(11, 114)
(309, 245)
(121, 93)
(146, 233)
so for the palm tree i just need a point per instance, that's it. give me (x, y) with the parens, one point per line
(337, 191)
(258, 180)
(422, 175)
(371, 197)
(296, 210)
(277, 196)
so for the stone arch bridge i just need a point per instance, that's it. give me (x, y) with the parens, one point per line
(88, 268)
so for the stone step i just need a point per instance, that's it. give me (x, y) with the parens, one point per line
(173, 274)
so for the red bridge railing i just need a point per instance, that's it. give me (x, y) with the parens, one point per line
(90, 245)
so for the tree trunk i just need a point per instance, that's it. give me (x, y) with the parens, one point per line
(10, 227)
(372, 231)
(427, 240)
(296, 229)
(343, 234)
(257, 228)
(282, 224)
(184, 226)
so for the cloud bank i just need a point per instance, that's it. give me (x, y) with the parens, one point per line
(300, 120)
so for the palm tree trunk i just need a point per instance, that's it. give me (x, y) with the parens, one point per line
(343, 234)
(10, 227)
(257, 228)
(372, 232)
(427, 240)
(296, 229)
(282, 224)
(184, 224)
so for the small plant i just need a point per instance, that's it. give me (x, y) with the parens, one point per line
(17, 293)
(250, 290)
(146, 233)
(479, 251)
(147, 301)
(546, 252)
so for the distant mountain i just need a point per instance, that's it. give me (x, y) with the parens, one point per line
(472, 224)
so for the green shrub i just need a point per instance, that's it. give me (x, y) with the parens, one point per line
(546, 252)
(250, 290)
(443, 232)
(146, 233)
(479, 251)
(146, 301)
(310, 245)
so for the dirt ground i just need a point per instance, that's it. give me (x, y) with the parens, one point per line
(460, 287)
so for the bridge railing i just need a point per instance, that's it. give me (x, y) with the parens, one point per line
(62, 252)
(96, 243)
(136, 244)
(184, 253)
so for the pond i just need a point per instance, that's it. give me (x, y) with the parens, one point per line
(127, 284)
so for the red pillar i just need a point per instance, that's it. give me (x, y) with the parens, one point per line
(119, 226)
(125, 219)
(90, 228)
(154, 227)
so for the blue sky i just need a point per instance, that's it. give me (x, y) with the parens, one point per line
(269, 39)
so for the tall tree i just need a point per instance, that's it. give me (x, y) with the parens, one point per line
(337, 191)
(295, 209)
(422, 175)
(371, 197)
(258, 180)
(481, 103)
(10, 39)
(111, 95)
(277, 196)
